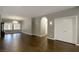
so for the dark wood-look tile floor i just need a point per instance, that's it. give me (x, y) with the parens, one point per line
(19, 42)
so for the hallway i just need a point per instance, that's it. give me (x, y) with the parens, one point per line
(19, 42)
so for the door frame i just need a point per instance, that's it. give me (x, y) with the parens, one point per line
(44, 30)
(73, 17)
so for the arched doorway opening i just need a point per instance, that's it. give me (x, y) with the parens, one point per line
(44, 26)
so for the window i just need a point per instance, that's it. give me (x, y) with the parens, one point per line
(16, 26)
(7, 26)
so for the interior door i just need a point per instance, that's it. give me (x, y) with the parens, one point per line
(64, 29)
(58, 29)
(68, 30)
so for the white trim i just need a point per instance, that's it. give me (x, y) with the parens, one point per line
(77, 44)
(34, 34)
(51, 38)
(76, 30)
(27, 33)
(65, 41)
(39, 35)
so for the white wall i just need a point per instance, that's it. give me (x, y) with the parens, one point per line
(52, 16)
(36, 26)
(27, 26)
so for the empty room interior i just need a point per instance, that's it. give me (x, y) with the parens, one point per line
(39, 29)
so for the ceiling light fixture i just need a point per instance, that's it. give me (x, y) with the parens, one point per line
(14, 21)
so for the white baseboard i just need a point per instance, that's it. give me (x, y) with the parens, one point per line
(45, 35)
(51, 38)
(77, 44)
(39, 35)
(27, 33)
(34, 34)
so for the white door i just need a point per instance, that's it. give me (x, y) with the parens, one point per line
(68, 30)
(58, 29)
(64, 29)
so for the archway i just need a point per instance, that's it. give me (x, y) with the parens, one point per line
(44, 26)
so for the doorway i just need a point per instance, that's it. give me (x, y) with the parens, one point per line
(44, 26)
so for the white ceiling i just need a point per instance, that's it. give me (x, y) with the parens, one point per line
(31, 11)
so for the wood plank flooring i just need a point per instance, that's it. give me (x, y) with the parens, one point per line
(19, 42)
